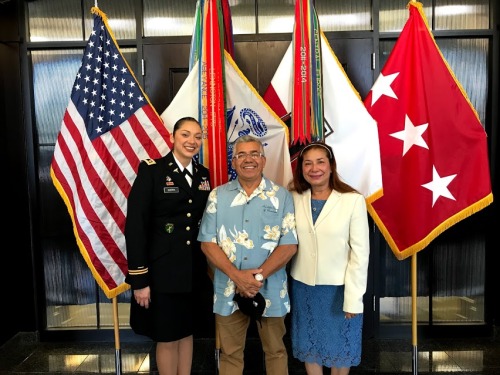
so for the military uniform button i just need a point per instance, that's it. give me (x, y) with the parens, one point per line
(188, 214)
(188, 242)
(190, 201)
(188, 228)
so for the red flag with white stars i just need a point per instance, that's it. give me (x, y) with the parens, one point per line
(433, 147)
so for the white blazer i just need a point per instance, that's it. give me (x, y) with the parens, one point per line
(335, 250)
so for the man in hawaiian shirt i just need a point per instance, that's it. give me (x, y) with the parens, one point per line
(248, 235)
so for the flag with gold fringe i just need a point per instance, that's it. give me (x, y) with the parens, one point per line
(347, 126)
(108, 127)
(433, 147)
(245, 110)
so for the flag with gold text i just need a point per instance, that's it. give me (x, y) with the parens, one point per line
(307, 106)
(207, 48)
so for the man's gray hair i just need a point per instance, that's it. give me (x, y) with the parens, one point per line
(249, 138)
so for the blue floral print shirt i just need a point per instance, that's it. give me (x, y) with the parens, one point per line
(248, 229)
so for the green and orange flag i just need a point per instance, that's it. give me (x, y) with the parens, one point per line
(227, 105)
(207, 48)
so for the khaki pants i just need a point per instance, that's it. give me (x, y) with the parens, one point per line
(232, 332)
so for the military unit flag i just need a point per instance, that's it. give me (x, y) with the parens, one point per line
(245, 110)
(348, 127)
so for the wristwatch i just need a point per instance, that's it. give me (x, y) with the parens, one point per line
(258, 277)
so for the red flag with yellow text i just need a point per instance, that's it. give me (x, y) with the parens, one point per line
(213, 118)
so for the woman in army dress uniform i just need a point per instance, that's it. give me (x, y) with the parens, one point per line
(164, 210)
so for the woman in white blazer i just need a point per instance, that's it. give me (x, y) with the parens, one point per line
(329, 270)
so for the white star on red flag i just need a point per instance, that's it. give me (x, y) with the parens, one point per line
(382, 86)
(439, 186)
(411, 135)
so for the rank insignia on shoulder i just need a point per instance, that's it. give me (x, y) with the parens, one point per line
(169, 227)
(150, 161)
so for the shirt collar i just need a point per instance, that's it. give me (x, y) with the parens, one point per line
(235, 185)
(181, 167)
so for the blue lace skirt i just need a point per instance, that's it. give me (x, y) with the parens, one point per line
(319, 331)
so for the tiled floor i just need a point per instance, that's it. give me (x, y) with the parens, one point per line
(24, 355)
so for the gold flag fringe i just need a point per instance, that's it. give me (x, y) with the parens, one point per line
(422, 244)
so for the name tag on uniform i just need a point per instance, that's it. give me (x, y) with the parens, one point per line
(170, 189)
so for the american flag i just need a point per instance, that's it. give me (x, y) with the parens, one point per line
(108, 127)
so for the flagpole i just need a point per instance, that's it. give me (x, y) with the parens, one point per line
(118, 355)
(217, 350)
(414, 363)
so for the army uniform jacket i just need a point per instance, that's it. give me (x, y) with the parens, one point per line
(163, 218)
